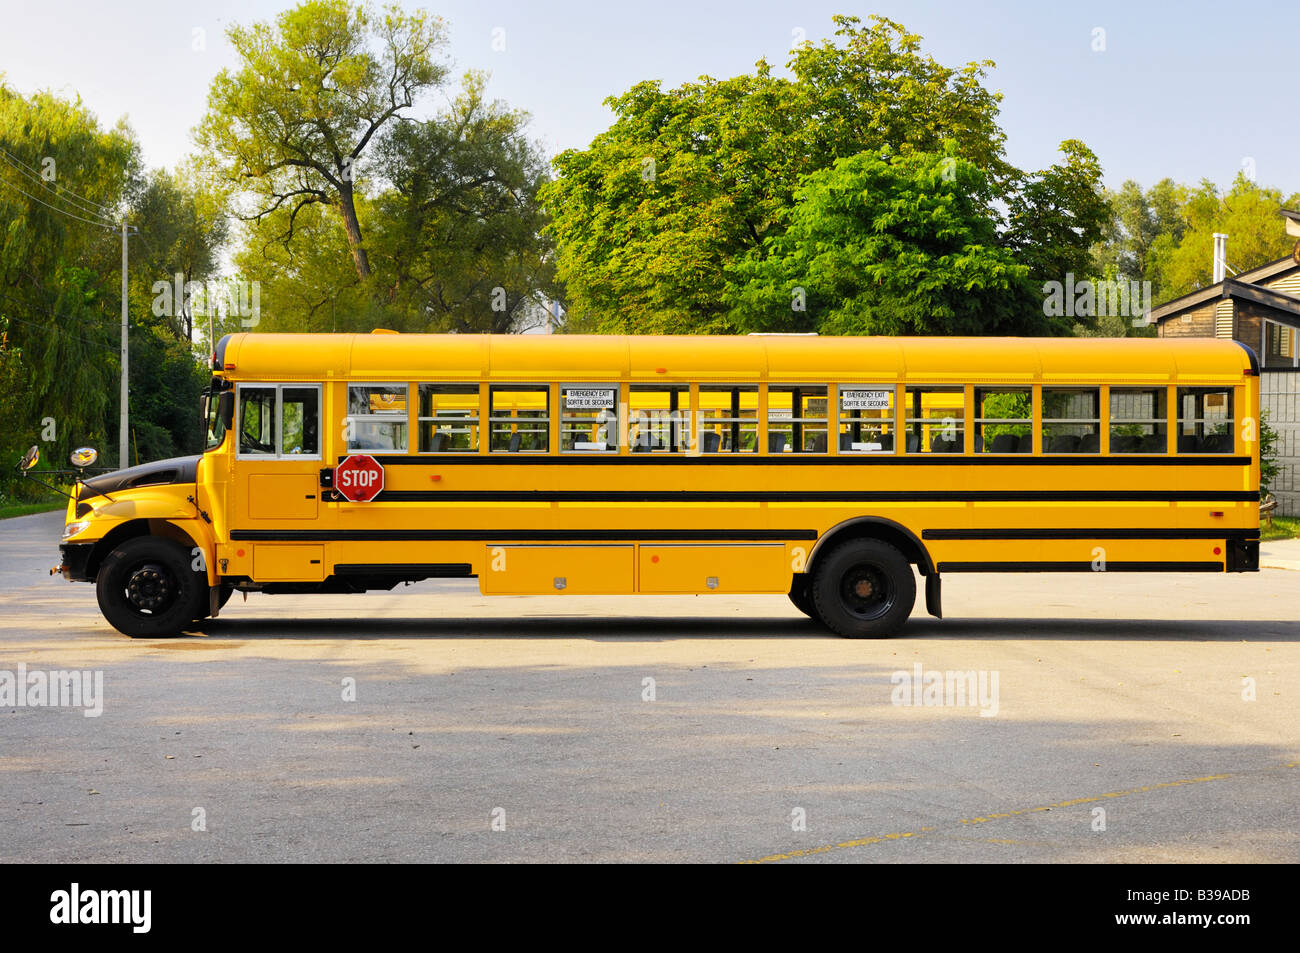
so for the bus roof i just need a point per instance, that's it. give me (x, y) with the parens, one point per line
(579, 358)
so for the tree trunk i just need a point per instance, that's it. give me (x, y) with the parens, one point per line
(349, 212)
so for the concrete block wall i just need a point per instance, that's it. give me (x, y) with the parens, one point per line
(1280, 396)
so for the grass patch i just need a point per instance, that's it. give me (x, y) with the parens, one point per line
(8, 510)
(1284, 527)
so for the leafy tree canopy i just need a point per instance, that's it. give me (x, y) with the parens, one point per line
(671, 209)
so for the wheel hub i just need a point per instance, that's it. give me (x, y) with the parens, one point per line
(150, 588)
(864, 589)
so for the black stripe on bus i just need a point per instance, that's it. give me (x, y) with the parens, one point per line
(432, 570)
(810, 496)
(494, 535)
(741, 459)
(1090, 534)
(1111, 566)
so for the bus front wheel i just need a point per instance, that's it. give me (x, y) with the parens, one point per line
(147, 589)
(864, 589)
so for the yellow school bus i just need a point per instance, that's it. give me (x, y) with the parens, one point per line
(833, 470)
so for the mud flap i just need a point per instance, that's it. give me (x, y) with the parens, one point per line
(214, 601)
(933, 598)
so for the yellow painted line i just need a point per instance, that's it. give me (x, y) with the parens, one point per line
(860, 842)
(984, 819)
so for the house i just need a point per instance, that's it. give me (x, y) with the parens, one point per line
(1261, 309)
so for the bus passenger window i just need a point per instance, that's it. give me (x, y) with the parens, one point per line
(936, 420)
(1004, 420)
(519, 418)
(1139, 421)
(300, 421)
(1205, 420)
(376, 418)
(1071, 420)
(589, 419)
(448, 418)
(659, 418)
(728, 418)
(796, 419)
(866, 419)
(257, 421)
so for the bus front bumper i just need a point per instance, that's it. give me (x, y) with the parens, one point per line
(75, 556)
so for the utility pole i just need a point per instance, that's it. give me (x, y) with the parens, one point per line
(124, 438)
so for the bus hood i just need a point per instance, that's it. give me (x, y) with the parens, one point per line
(158, 473)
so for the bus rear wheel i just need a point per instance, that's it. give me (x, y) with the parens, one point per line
(864, 589)
(146, 588)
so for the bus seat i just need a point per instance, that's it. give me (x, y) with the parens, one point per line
(887, 441)
(1064, 443)
(438, 443)
(712, 442)
(1006, 443)
(776, 442)
(913, 443)
(1189, 443)
(1090, 443)
(818, 443)
(515, 440)
(1126, 443)
(1152, 443)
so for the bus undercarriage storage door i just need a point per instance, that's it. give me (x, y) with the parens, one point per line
(279, 450)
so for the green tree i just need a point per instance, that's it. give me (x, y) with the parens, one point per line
(292, 124)
(455, 229)
(888, 245)
(59, 262)
(652, 218)
(63, 181)
(1250, 216)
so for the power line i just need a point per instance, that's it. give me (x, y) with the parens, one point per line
(81, 206)
(98, 224)
(58, 330)
(35, 176)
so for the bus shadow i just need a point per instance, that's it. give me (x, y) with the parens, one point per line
(662, 629)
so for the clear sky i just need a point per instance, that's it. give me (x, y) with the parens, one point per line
(1186, 90)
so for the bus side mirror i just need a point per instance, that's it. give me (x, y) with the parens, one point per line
(226, 409)
(83, 457)
(30, 459)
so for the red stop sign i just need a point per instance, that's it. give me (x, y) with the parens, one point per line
(360, 478)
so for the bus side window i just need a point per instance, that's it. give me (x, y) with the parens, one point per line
(257, 421)
(300, 420)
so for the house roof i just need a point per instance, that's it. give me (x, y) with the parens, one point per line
(1231, 287)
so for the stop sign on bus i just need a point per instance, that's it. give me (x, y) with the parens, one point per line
(359, 478)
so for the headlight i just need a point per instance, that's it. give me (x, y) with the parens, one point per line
(72, 529)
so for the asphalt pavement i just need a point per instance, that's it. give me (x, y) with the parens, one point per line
(1111, 718)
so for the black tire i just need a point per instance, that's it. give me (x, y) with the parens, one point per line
(801, 595)
(146, 588)
(864, 589)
